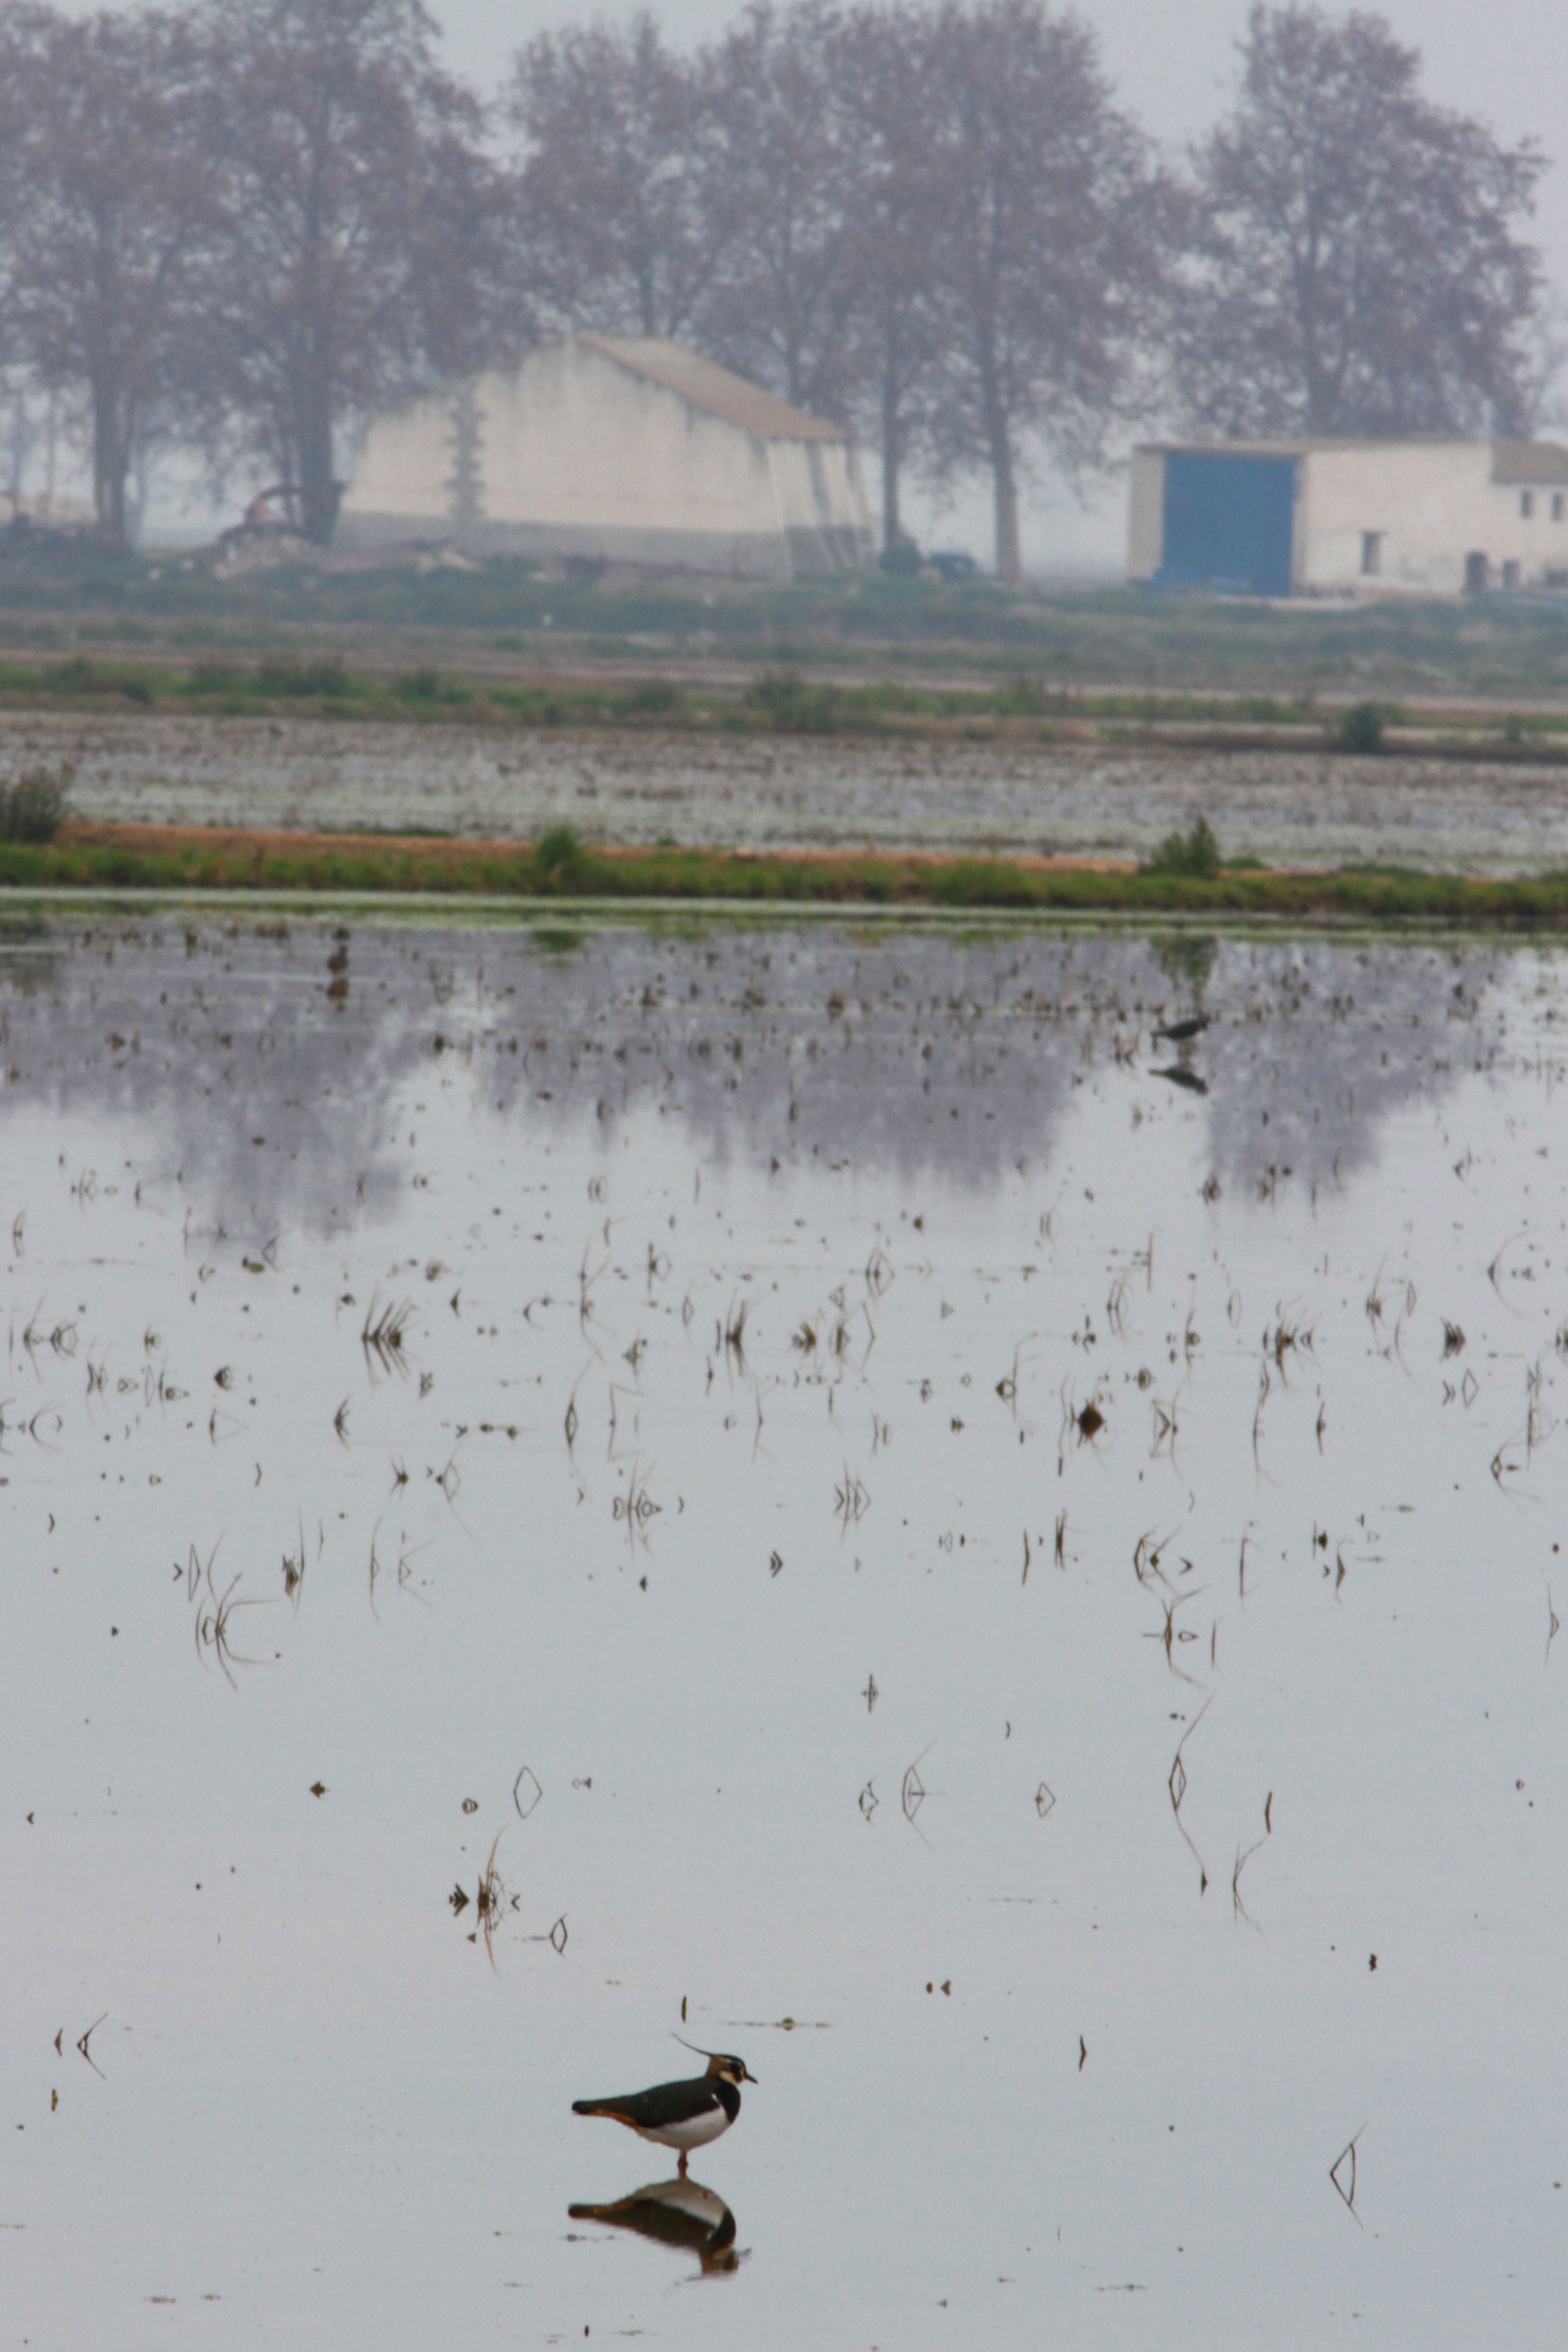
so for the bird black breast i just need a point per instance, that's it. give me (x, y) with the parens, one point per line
(728, 2097)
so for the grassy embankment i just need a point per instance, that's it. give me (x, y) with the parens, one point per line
(486, 617)
(774, 702)
(560, 868)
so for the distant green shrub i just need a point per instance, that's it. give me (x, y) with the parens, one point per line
(900, 556)
(775, 691)
(795, 706)
(1195, 852)
(1027, 697)
(558, 855)
(1359, 729)
(328, 676)
(32, 808)
(652, 698)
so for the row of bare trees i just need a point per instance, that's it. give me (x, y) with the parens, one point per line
(936, 225)
(244, 225)
(240, 225)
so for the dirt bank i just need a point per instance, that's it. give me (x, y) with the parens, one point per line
(1285, 808)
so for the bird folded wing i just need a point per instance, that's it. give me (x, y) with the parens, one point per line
(666, 2102)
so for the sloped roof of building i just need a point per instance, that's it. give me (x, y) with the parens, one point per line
(711, 388)
(1280, 447)
(1511, 461)
(1529, 461)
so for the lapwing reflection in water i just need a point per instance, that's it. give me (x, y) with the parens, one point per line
(682, 2115)
(679, 2213)
(1183, 1035)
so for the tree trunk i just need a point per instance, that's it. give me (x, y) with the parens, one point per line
(319, 493)
(1010, 564)
(999, 443)
(892, 437)
(111, 463)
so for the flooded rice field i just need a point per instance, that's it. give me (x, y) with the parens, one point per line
(1286, 808)
(840, 1499)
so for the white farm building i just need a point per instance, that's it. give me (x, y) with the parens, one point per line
(627, 449)
(1431, 517)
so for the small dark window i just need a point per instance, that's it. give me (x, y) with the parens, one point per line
(1371, 554)
(1558, 504)
(1526, 504)
(1510, 575)
(1475, 572)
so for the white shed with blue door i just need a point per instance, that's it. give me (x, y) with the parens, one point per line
(1430, 516)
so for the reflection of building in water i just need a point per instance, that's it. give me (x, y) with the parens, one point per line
(924, 1053)
(676, 2213)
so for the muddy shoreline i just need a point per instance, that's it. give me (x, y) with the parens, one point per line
(317, 775)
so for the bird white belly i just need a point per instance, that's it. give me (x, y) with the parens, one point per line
(696, 2133)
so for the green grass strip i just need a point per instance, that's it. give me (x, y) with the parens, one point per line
(776, 701)
(561, 868)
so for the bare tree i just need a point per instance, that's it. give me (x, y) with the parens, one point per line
(357, 210)
(1358, 266)
(21, 32)
(781, 309)
(880, 58)
(1046, 251)
(620, 210)
(104, 120)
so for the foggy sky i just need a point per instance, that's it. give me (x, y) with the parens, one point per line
(1173, 61)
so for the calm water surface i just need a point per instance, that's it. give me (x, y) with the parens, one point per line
(562, 1489)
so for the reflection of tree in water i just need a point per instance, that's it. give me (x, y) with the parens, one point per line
(1186, 958)
(1317, 1042)
(31, 958)
(919, 1051)
(909, 1053)
(927, 1053)
(269, 1099)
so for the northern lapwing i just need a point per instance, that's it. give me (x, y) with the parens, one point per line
(1182, 1033)
(682, 2115)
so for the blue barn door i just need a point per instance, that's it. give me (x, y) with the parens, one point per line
(1227, 521)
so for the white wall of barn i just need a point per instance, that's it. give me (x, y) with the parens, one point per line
(576, 451)
(1433, 504)
(1146, 514)
(1429, 506)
